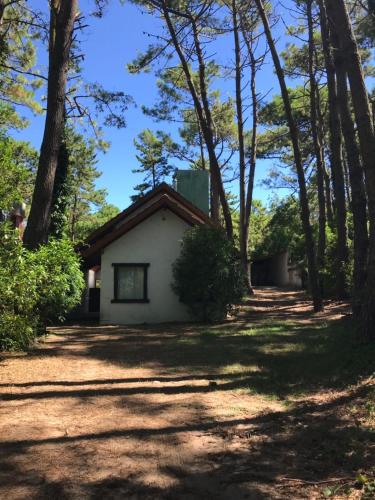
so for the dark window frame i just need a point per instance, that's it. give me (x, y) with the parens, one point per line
(145, 298)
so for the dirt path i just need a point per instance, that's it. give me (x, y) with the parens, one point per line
(169, 412)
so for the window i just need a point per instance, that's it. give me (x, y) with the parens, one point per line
(130, 282)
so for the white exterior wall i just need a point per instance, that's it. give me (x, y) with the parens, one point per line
(157, 241)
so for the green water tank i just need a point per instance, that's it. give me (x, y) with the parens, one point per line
(194, 186)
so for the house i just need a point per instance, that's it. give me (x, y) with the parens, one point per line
(276, 270)
(128, 261)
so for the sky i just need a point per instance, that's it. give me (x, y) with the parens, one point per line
(109, 44)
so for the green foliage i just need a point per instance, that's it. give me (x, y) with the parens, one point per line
(61, 192)
(59, 281)
(18, 292)
(35, 287)
(207, 275)
(17, 170)
(329, 272)
(18, 78)
(79, 206)
(175, 104)
(260, 218)
(153, 157)
(82, 175)
(282, 232)
(94, 220)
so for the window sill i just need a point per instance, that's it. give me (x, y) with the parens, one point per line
(130, 301)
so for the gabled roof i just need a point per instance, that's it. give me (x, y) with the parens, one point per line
(163, 196)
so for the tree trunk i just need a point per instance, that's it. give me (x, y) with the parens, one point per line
(216, 179)
(204, 116)
(62, 16)
(318, 148)
(326, 175)
(253, 146)
(153, 176)
(294, 136)
(356, 177)
(365, 127)
(253, 158)
(337, 169)
(243, 226)
(2, 12)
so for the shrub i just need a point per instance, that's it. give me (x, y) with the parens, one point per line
(59, 282)
(207, 275)
(35, 287)
(329, 271)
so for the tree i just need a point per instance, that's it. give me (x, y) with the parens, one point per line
(337, 168)
(79, 206)
(153, 158)
(356, 175)
(316, 136)
(366, 135)
(248, 25)
(281, 230)
(175, 105)
(17, 172)
(294, 136)
(184, 29)
(207, 275)
(93, 220)
(19, 27)
(62, 17)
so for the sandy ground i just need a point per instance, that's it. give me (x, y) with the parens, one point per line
(96, 412)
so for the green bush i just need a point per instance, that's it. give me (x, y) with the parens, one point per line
(329, 271)
(35, 287)
(207, 275)
(59, 280)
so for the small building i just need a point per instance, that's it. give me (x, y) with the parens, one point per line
(276, 270)
(128, 261)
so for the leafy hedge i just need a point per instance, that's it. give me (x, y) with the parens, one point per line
(207, 275)
(35, 287)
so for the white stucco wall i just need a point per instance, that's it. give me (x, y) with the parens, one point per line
(156, 241)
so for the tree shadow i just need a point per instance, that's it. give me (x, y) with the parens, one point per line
(278, 359)
(281, 453)
(264, 455)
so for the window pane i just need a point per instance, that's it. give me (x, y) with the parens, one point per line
(130, 282)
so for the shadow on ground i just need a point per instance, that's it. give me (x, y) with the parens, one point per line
(300, 449)
(278, 359)
(310, 365)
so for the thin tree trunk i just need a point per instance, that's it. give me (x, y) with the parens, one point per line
(153, 176)
(62, 18)
(3, 5)
(366, 135)
(253, 145)
(201, 150)
(318, 149)
(253, 157)
(204, 116)
(217, 180)
(244, 244)
(326, 175)
(294, 136)
(347, 183)
(337, 169)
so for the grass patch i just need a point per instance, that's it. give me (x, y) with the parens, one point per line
(277, 359)
(283, 359)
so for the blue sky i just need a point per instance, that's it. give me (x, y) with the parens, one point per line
(109, 44)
